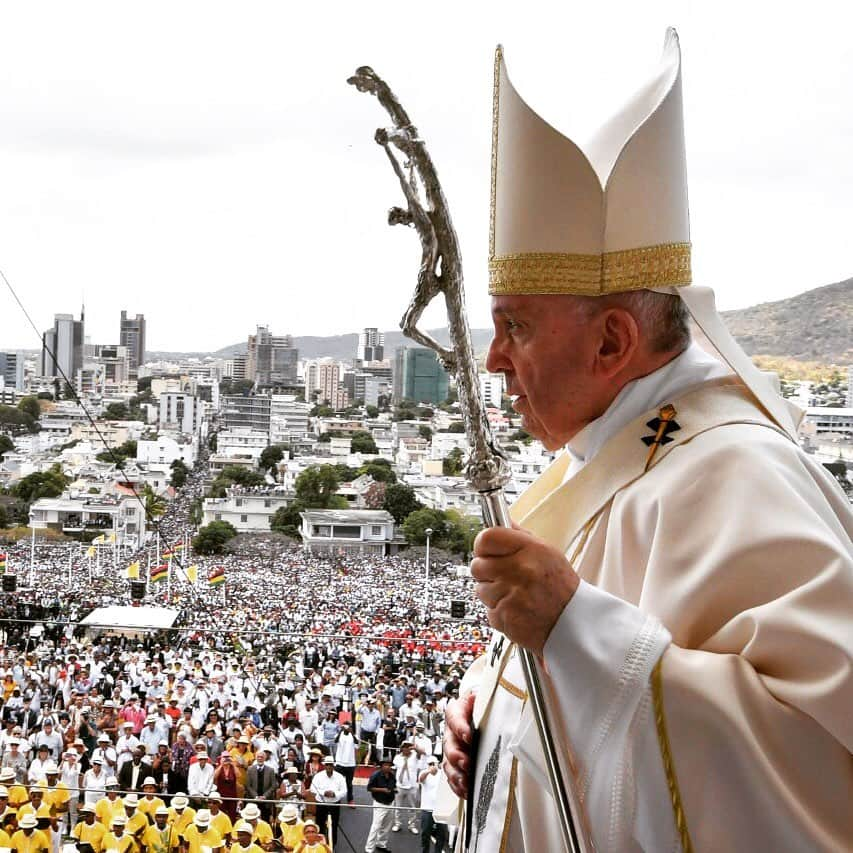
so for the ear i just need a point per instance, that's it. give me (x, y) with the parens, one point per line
(618, 341)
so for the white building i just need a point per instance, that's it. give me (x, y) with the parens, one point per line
(166, 449)
(443, 442)
(492, 388)
(242, 443)
(249, 511)
(288, 418)
(826, 420)
(181, 412)
(124, 516)
(345, 531)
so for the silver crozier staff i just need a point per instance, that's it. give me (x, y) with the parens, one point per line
(441, 272)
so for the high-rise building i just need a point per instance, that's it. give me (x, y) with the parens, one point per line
(492, 388)
(332, 391)
(12, 370)
(235, 368)
(419, 376)
(246, 412)
(132, 336)
(62, 346)
(371, 345)
(271, 360)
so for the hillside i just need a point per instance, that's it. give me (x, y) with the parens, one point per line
(814, 327)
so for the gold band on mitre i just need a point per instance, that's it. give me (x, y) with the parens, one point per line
(591, 275)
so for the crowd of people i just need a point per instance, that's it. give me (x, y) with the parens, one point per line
(255, 709)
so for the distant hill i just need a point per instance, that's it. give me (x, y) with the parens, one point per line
(814, 326)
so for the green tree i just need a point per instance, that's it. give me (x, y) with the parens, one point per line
(321, 411)
(30, 406)
(380, 470)
(41, 484)
(155, 505)
(456, 426)
(522, 436)
(417, 523)
(425, 432)
(400, 501)
(213, 538)
(6, 444)
(371, 411)
(316, 487)
(345, 473)
(271, 456)
(286, 520)
(461, 532)
(362, 442)
(454, 463)
(116, 412)
(180, 472)
(118, 454)
(16, 422)
(4, 517)
(196, 511)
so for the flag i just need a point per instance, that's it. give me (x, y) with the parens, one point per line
(192, 574)
(99, 540)
(167, 555)
(179, 547)
(158, 573)
(217, 576)
(90, 551)
(111, 538)
(2, 564)
(133, 571)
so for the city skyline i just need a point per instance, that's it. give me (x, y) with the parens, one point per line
(212, 196)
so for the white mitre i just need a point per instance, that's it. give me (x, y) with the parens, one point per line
(608, 219)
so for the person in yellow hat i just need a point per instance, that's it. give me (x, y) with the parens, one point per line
(682, 571)
(89, 830)
(36, 799)
(262, 833)
(117, 838)
(56, 794)
(28, 839)
(161, 836)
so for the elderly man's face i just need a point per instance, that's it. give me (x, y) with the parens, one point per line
(546, 348)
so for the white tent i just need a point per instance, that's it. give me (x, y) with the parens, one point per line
(129, 621)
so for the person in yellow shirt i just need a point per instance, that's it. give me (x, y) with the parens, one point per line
(89, 830)
(137, 822)
(244, 844)
(161, 837)
(313, 842)
(117, 839)
(200, 833)
(48, 823)
(218, 819)
(180, 815)
(56, 794)
(290, 828)
(243, 758)
(262, 833)
(35, 802)
(5, 838)
(28, 839)
(150, 802)
(111, 805)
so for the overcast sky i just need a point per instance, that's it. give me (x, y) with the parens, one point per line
(206, 164)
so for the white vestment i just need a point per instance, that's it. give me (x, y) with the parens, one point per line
(712, 625)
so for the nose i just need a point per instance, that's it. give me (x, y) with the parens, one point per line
(496, 360)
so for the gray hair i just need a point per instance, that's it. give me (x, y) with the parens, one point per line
(663, 319)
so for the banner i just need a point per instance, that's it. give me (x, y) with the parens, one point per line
(133, 571)
(158, 573)
(217, 576)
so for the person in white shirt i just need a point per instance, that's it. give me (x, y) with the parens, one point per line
(406, 802)
(329, 787)
(125, 745)
(42, 759)
(94, 782)
(429, 779)
(345, 758)
(200, 777)
(106, 751)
